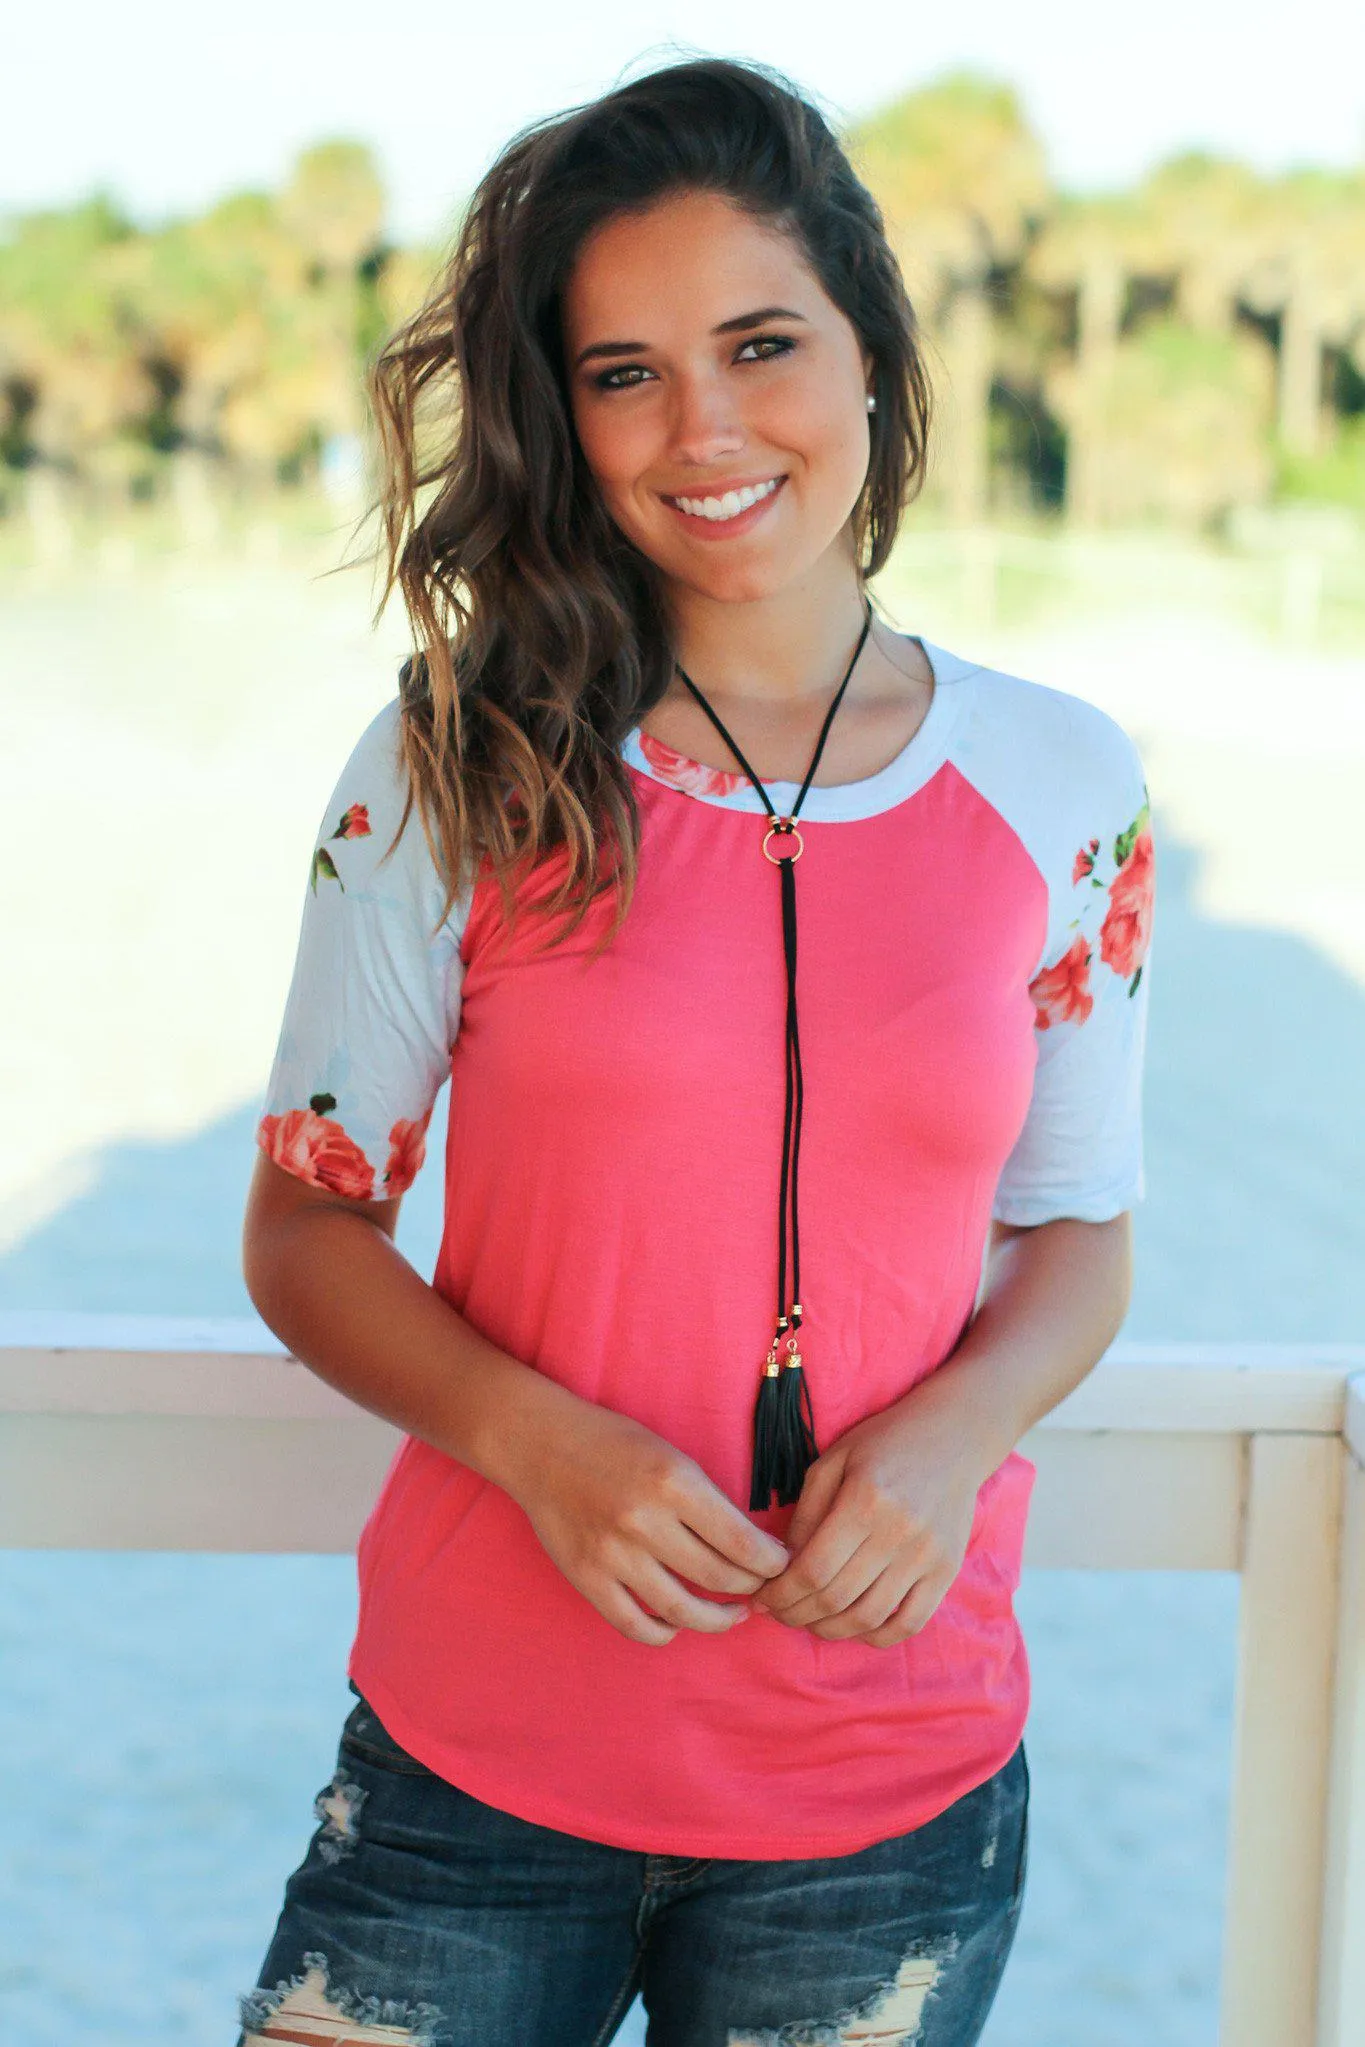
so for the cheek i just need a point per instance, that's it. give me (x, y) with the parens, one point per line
(823, 426)
(615, 447)
(839, 445)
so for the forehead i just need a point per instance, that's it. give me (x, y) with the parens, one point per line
(686, 257)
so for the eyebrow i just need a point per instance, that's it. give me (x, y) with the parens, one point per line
(735, 326)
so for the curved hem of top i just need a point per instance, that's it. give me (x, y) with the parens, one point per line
(873, 795)
(728, 1848)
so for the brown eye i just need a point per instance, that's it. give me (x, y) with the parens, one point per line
(782, 344)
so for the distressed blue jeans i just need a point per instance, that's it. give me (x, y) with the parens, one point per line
(420, 1917)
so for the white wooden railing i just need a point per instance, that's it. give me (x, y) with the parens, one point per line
(132, 1433)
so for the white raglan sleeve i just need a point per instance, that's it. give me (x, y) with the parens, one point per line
(1080, 1152)
(374, 1003)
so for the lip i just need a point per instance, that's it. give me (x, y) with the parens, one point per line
(720, 529)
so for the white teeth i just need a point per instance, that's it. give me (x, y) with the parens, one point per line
(733, 502)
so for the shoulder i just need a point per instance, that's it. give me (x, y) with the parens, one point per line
(1065, 740)
(371, 843)
(1065, 777)
(1052, 763)
(373, 775)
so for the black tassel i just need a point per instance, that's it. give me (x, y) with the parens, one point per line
(764, 1475)
(795, 1451)
(784, 1426)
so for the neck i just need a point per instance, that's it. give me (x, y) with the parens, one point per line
(775, 650)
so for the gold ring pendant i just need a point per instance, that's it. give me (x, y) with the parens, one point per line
(784, 828)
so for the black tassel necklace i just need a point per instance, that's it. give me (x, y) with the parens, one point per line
(784, 1425)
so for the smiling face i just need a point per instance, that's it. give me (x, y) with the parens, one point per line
(686, 405)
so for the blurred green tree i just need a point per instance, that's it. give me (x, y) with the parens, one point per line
(962, 183)
(65, 331)
(1159, 352)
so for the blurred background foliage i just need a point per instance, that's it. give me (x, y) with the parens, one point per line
(1177, 354)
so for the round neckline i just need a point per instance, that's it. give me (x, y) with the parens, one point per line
(829, 802)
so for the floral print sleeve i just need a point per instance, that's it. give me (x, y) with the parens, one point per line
(374, 1003)
(1080, 1150)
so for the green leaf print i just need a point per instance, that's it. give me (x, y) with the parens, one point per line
(322, 1105)
(1125, 842)
(324, 864)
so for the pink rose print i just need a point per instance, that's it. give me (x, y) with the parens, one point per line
(407, 1149)
(1085, 862)
(681, 773)
(355, 823)
(1127, 927)
(315, 1148)
(1061, 993)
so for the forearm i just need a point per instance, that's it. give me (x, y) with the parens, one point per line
(1053, 1300)
(334, 1288)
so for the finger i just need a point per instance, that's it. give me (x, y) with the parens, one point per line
(914, 1612)
(682, 1551)
(848, 1584)
(837, 1539)
(818, 1490)
(717, 1520)
(870, 1609)
(657, 1589)
(630, 1619)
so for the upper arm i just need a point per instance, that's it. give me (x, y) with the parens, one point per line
(275, 1196)
(1001, 1232)
(373, 1003)
(1120, 1225)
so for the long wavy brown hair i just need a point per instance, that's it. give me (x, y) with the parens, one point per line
(540, 631)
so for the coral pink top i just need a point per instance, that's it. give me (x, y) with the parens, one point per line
(973, 924)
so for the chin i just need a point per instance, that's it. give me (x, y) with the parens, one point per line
(735, 586)
(736, 581)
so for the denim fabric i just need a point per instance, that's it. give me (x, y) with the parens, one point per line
(420, 1917)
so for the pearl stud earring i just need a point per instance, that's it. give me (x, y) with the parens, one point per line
(871, 402)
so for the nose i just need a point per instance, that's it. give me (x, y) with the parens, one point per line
(706, 423)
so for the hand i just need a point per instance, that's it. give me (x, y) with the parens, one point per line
(880, 1530)
(626, 1517)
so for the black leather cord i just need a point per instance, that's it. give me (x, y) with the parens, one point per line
(784, 1434)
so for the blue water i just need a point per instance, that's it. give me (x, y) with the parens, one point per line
(166, 1720)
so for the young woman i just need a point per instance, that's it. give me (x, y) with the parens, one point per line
(787, 971)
